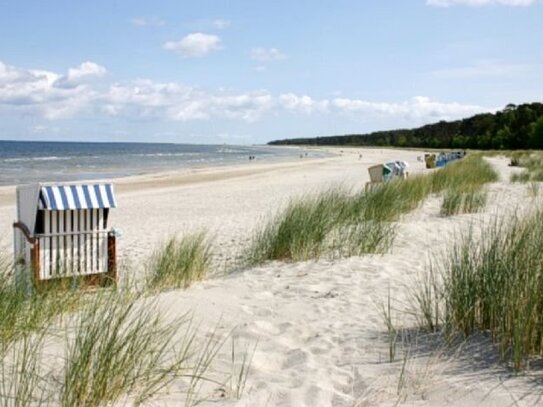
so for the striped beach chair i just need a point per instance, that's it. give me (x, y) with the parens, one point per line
(61, 232)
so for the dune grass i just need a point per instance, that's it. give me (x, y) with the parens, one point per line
(299, 231)
(361, 238)
(466, 200)
(533, 189)
(121, 347)
(345, 223)
(24, 310)
(179, 262)
(389, 201)
(334, 221)
(21, 380)
(118, 348)
(532, 162)
(240, 368)
(470, 171)
(26, 318)
(463, 185)
(492, 283)
(394, 199)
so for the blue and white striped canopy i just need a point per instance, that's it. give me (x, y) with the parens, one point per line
(61, 197)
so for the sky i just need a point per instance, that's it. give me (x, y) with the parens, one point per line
(251, 71)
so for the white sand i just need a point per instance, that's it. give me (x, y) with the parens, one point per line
(321, 337)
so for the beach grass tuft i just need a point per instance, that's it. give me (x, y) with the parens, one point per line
(362, 238)
(348, 223)
(179, 262)
(120, 346)
(466, 200)
(21, 381)
(118, 349)
(462, 183)
(532, 162)
(24, 310)
(300, 230)
(334, 221)
(468, 172)
(426, 296)
(533, 189)
(492, 282)
(389, 201)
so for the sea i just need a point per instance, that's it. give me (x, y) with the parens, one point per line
(23, 162)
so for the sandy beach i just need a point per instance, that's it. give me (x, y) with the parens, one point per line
(229, 202)
(318, 327)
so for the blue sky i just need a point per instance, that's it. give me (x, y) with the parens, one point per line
(251, 71)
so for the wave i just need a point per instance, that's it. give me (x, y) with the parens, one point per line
(165, 154)
(231, 151)
(28, 159)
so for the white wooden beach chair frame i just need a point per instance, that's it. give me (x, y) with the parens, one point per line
(65, 236)
(376, 176)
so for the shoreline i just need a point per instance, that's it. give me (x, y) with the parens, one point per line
(102, 166)
(188, 175)
(223, 199)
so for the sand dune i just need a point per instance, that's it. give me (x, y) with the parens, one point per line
(321, 339)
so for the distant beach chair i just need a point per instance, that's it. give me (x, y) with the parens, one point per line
(61, 233)
(442, 159)
(397, 169)
(378, 174)
(430, 160)
(404, 168)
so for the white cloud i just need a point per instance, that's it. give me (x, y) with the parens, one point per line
(266, 54)
(220, 24)
(304, 103)
(10, 74)
(171, 101)
(418, 108)
(148, 22)
(48, 93)
(194, 45)
(86, 70)
(37, 92)
(479, 3)
(248, 106)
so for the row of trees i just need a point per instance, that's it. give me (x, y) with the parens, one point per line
(515, 127)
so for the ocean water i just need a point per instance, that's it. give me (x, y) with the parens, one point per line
(27, 162)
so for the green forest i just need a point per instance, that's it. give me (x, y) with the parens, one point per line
(515, 127)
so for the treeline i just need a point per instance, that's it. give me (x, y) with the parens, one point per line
(515, 127)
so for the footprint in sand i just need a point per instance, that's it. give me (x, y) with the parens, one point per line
(285, 326)
(259, 312)
(319, 351)
(312, 396)
(266, 328)
(294, 358)
(263, 312)
(341, 401)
